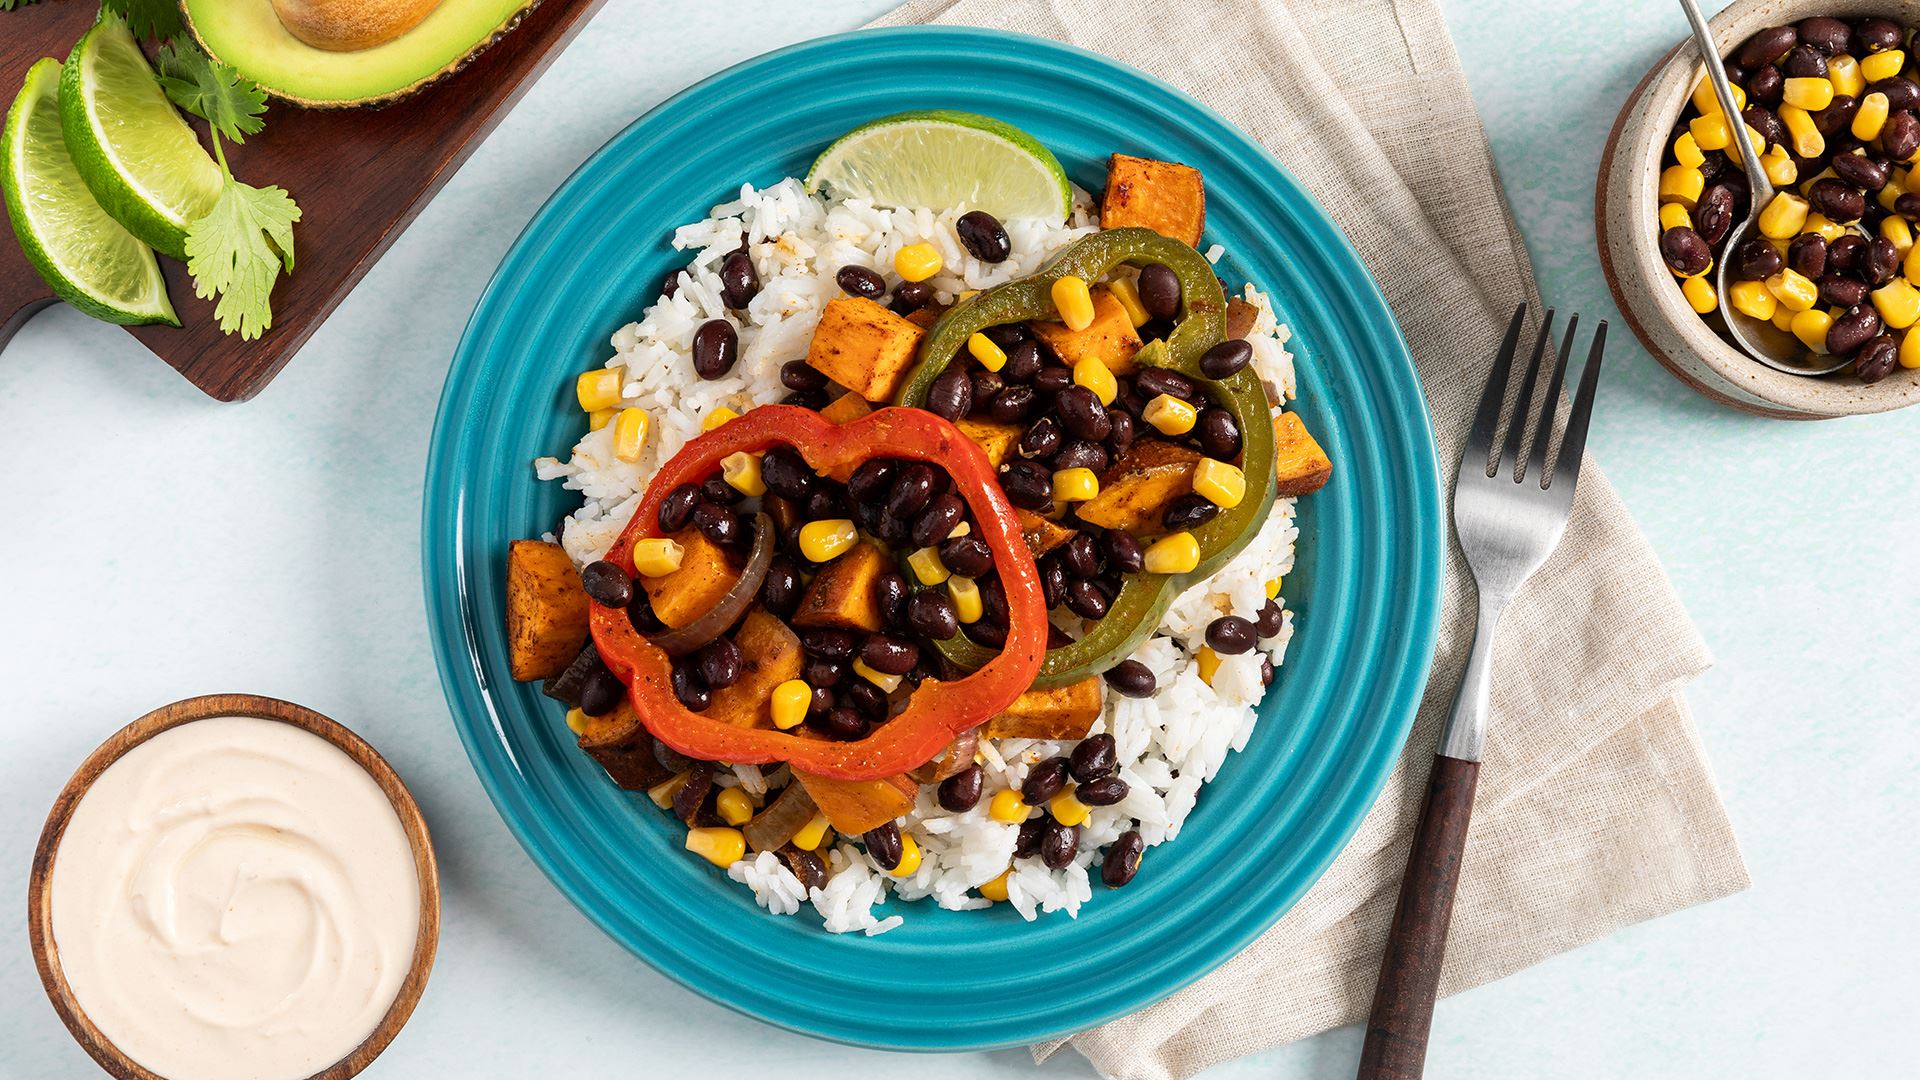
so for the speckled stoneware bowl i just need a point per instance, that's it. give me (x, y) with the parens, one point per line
(1626, 209)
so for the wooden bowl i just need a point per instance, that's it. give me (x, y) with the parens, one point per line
(46, 952)
(1626, 209)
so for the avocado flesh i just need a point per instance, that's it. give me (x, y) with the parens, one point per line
(249, 36)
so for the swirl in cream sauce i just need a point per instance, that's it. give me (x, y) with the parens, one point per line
(235, 897)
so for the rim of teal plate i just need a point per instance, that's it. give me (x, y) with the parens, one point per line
(1371, 553)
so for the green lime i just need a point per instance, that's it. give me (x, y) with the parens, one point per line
(941, 159)
(87, 257)
(138, 156)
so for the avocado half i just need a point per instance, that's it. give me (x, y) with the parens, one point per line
(249, 36)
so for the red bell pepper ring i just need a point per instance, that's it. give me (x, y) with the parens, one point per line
(938, 711)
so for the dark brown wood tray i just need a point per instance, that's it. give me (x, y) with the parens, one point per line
(360, 176)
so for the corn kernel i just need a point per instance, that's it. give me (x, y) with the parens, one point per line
(598, 389)
(1171, 416)
(1898, 303)
(1783, 217)
(789, 703)
(888, 683)
(1674, 216)
(1700, 295)
(1794, 290)
(1783, 318)
(1125, 291)
(926, 566)
(1806, 185)
(1097, 377)
(1209, 662)
(1752, 299)
(967, 602)
(718, 417)
(1708, 102)
(1273, 587)
(1910, 350)
(1881, 65)
(1811, 94)
(1735, 149)
(918, 262)
(812, 834)
(600, 418)
(1897, 232)
(1175, 553)
(1870, 116)
(991, 356)
(734, 806)
(1006, 806)
(1221, 484)
(663, 792)
(1075, 485)
(1811, 328)
(1821, 226)
(721, 847)
(741, 471)
(1843, 71)
(1682, 185)
(1911, 268)
(1700, 273)
(1780, 166)
(629, 434)
(1710, 131)
(965, 528)
(1889, 194)
(996, 890)
(1807, 140)
(1074, 301)
(1687, 152)
(577, 721)
(827, 539)
(909, 857)
(1068, 810)
(657, 556)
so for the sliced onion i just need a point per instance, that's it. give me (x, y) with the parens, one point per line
(954, 759)
(731, 606)
(784, 817)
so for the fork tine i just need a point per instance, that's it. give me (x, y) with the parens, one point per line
(1487, 418)
(1543, 432)
(1516, 438)
(1566, 468)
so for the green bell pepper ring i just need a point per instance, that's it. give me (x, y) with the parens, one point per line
(1143, 598)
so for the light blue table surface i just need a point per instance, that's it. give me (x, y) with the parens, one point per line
(158, 545)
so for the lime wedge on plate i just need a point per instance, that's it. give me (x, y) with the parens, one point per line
(941, 159)
(139, 157)
(85, 255)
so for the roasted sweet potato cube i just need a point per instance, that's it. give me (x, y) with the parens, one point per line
(842, 594)
(1300, 467)
(857, 806)
(864, 347)
(623, 748)
(770, 655)
(1064, 712)
(1041, 534)
(1159, 195)
(1137, 488)
(546, 610)
(1240, 317)
(995, 439)
(845, 409)
(1110, 338)
(706, 573)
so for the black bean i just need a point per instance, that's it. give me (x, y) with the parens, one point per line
(1188, 511)
(607, 584)
(1010, 406)
(1059, 844)
(670, 285)
(930, 614)
(829, 641)
(1230, 635)
(1045, 780)
(1757, 259)
(883, 845)
(951, 395)
(1102, 790)
(1829, 35)
(1027, 484)
(983, 235)
(1808, 255)
(1081, 454)
(1120, 439)
(1053, 581)
(825, 503)
(799, 375)
(1080, 556)
(721, 663)
(1131, 678)
(866, 699)
(1152, 381)
(691, 797)
(1877, 35)
(1713, 163)
(1766, 86)
(960, 792)
(1844, 254)
(1085, 599)
(1123, 552)
(1042, 439)
(1837, 199)
(985, 633)
(860, 281)
(1123, 859)
(1233, 354)
(1271, 620)
(1861, 171)
(1881, 261)
(715, 348)
(739, 284)
(818, 706)
(1082, 414)
(640, 613)
(1684, 251)
(912, 490)
(1713, 215)
(1219, 435)
(1159, 289)
(717, 523)
(821, 672)
(1767, 46)
(939, 519)
(1052, 378)
(1006, 335)
(602, 692)
(688, 688)
(1266, 671)
(889, 655)
(1093, 758)
(872, 480)
(785, 472)
(841, 722)
(1023, 363)
(676, 510)
(1026, 842)
(1839, 290)
(890, 593)
(1836, 120)
(1876, 359)
(1900, 135)
(968, 556)
(910, 296)
(1855, 327)
(1907, 206)
(1901, 92)
(986, 385)
(1804, 62)
(717, 490)
(806, 866)
(806, 399)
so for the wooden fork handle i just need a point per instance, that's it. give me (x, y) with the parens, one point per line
(1396, 1045)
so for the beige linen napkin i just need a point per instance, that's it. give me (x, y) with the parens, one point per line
(1596, 805)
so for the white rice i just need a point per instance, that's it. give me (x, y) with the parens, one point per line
(1168, 745)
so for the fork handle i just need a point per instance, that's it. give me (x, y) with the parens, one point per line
(1396, 1044)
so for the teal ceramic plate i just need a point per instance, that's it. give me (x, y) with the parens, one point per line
(1366, 587)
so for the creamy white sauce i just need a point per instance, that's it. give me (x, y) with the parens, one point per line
(235, 897)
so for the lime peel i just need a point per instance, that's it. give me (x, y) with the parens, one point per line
(941, 159)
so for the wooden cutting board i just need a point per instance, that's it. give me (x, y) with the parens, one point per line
(359, 175)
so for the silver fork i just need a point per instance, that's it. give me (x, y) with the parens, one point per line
(1509, 517)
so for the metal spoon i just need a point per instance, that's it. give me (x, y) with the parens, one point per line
(1758, 338)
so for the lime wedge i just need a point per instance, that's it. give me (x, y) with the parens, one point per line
(942, 159)
(87, 257)
(138, 156)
